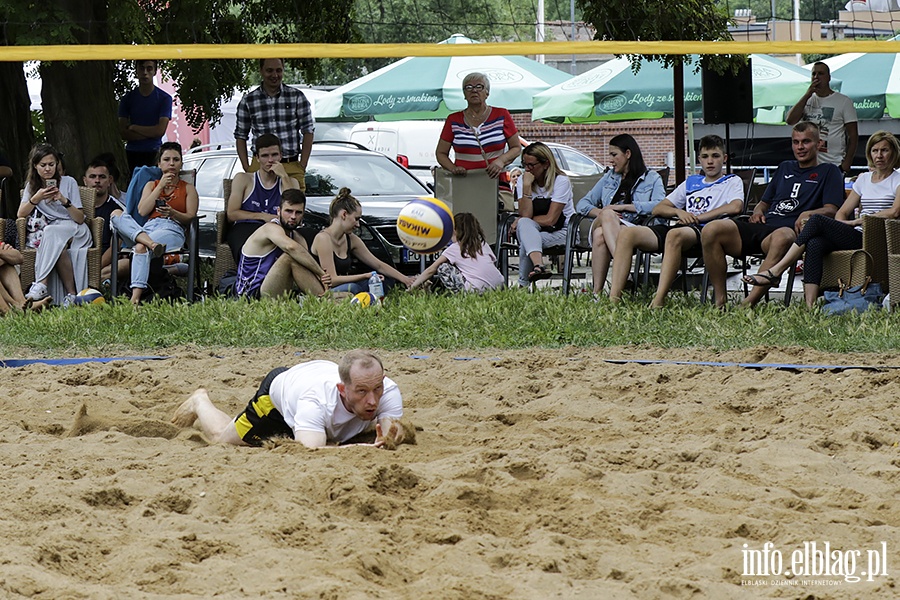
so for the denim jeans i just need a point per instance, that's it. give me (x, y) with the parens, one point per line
(353, 287)
(162, 231)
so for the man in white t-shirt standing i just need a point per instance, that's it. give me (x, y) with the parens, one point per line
(835, 115)
(314, 403)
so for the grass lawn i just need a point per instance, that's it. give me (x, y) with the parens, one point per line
(504, 319)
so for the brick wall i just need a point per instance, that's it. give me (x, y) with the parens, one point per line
(655, 137)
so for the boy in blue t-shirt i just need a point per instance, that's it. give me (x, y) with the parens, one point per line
(799, 189)
(699, 199)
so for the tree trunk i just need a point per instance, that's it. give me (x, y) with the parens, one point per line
(80, 108)
(80, 113)
(17, 134)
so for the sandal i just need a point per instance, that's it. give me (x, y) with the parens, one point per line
(766, 279)
(539, 272)
(159, 250)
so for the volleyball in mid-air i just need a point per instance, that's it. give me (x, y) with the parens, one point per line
(425, 225)
(89, 296)
(363, 300)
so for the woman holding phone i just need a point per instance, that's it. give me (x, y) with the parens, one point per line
(57, 198)
(169, 204)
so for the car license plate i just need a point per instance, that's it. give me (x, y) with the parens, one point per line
(410, 256)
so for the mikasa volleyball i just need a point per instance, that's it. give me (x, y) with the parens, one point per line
(425, 225)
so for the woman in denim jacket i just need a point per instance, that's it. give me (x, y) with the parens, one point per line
(624, 197)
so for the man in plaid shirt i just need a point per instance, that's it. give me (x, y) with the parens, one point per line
(281, 110)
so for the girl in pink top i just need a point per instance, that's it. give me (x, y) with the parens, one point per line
(468, 262)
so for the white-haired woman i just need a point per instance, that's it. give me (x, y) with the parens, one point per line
(482, 136)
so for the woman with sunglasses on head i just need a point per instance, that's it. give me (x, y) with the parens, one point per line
(545, 205)
(624, 197)
(482, 136)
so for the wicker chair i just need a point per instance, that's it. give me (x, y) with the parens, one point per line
(892, 230)
(837, 264)
(94, 253)
(224, 258)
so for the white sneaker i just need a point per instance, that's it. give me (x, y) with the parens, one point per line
(70, 301)
(37, 291)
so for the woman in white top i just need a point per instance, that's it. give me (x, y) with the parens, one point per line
(545, 205)
(876, 193)
(55, 196)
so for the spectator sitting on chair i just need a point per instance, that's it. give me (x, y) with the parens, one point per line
(876, 193)
(698, 200)
(275, 257)
(314, 403)
(625, 195)
(66, 237)
(336, 246)
(545, 205)
(11, 296)
(106, 206)
(170, 204)
(798, 189)
(255, 197)
(144, 114)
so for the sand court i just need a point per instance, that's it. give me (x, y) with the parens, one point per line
(537, 474)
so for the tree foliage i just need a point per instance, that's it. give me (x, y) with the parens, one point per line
(649, 20)
(810, 10)
(201, 84)
(432, 21)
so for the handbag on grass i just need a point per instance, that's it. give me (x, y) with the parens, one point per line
(858, 298)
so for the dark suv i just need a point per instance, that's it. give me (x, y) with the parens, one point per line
(382, 186)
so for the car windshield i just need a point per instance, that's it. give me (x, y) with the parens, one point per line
(372, 175)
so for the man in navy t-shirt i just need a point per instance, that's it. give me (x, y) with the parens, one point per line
(799, 189)
(144, 114)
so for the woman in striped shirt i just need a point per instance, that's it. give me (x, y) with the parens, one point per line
(482, 136)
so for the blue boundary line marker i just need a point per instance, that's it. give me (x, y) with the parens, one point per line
(23, 362)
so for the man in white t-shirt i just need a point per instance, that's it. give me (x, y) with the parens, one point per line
(835, 115)
(315, 403)
(699, 199)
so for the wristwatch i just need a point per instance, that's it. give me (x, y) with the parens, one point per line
(67, 204)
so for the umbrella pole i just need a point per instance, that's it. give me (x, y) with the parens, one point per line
(678, 74)
(692, 154)
(728, 147)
